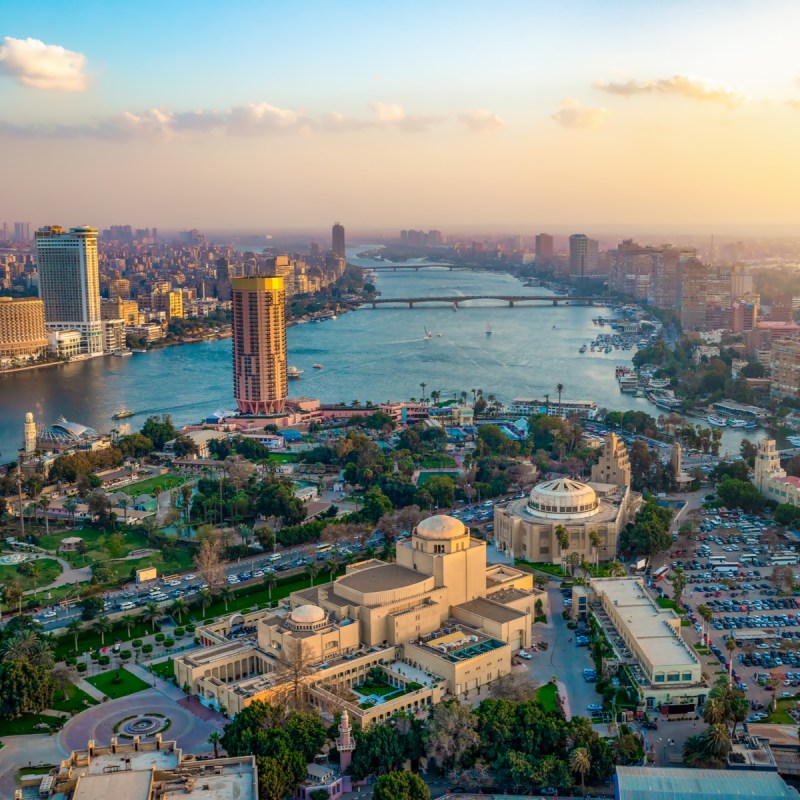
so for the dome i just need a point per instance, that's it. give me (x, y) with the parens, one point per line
(563, 498)
(440, 526)
(307, 615)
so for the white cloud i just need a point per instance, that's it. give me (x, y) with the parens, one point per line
(680, 85)
(571, 114)
(479, 120)
(793, 104)
(394, 115)
(388, 112)
(37, 65)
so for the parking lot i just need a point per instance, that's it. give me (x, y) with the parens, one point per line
(740, 567)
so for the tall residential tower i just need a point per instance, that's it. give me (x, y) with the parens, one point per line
(259, 345)
(337, 240)
(69, 284)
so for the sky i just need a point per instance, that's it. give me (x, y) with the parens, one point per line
(526, 116)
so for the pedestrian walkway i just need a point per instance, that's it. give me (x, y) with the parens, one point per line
(165, 687)
(92, 691)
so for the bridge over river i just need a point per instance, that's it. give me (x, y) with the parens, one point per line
(510, 300)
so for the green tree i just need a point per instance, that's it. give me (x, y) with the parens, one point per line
(90, 607)
(312, 570)
(24, 687)
(159, 430)
(451, 734)
(226, 593)
(152, 613)
(442, 489)
(75, 628)
(102, 625)
(214, 739)
(401, 786)
(580, 764)
(376, 504)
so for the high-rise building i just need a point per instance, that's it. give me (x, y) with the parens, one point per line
(691, 293)
(22, 231)
(259, 345)
(583, 253)
(544, 247)
(22, 331)
(117, 308)
(69, 283)
(786, 369)
(337, 240)
(170, 303)
(119, 287)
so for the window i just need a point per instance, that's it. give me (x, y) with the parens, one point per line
(687, 676)
(660, 678)
(673, 676)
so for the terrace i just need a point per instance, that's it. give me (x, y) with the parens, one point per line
(458, 642)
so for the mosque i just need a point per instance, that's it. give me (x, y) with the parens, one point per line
(384, 637)
(529, 528)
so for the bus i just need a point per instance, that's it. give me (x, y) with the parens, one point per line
(716, 559)
(783, 559)
(726, 569)
(324, 548)
(748, 558)
(659, 574)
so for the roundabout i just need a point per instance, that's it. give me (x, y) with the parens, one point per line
(143, 725)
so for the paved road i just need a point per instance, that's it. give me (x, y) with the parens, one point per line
(69, 575)
(20, 751)
(562, 659)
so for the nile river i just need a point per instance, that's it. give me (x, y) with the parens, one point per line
(366, 355)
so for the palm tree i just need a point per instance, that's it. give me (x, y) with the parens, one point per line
(707, 614)
(714, 711)
(71, 506)
(102, 626)
(75, 628)
(205, 599)
(151, 613)
(718, 742)
(422, 386)
(128, 621)
(388, 553)
(226, 593)
(563, 539)
(678, 581)
(594, 540)
(331, 567)
(616, 569)
(213, 739)
(179, 608)
(36, 570)
(245, 533)
(44, 505)
(730, 646)
(436, 396)
(547, 405)
(579, 762)
(13, 594)
(270, 581)
(738, 710)
(18, 647)
(574, 560)
(41, 653)
(559, 389)
(124, 503)
(312, 570)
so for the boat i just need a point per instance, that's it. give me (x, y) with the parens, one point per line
(488, 330)
(439, 333)
(794, 440)
(123, 413)
(427, 335)
(122, 353)
(293, 372)
(582, 348)
(455, 307)
(316, 366)
(717, 422)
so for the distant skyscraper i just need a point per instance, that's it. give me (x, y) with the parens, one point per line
(544, 246)
(338, 240)
(69, 283)
(259, 345)
(582, 255)
(22, 231)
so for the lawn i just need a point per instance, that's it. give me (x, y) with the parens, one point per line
(380, 688)
(89, 640)
(668, 602)
(781, 714)
(424, 477)
(546, 697)
(550, 569)
(50, 571)
(74, 700)
(148, 486)
(25, 724)
(436, 461)
(128, 683)
(95, 540)
(164, 669)
(283, 458)
(179, 559)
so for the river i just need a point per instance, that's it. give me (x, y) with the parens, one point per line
(366, 355)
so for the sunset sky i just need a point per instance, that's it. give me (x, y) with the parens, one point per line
(529, 115)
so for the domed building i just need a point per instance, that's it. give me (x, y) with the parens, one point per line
(529, 528)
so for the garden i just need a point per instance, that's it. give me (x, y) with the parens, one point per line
(149, 485)
(117, 683)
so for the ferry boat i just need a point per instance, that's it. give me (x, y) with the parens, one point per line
(293, 372)
(793, 440)
(123, 413)
(122, 353)
(316, 366)
(717, 422)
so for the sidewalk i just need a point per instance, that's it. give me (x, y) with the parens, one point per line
(165, 687)
(92, 691)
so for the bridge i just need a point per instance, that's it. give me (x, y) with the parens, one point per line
(510, 300)
(418, 267)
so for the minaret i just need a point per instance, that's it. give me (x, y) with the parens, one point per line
(344, 742)
(29, 433)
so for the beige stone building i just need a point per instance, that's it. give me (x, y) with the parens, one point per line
(22, 331)
(771, 479)
(786, 368)
(437, 622)
(528, 529)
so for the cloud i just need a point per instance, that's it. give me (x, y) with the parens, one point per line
(388, 112)
(479, 120)
(793, 104)
(394, 115)
(37, 65)
(571, 114)
(679, 85)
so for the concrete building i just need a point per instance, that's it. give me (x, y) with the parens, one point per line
(170, 303)
(259, 345)
(691, 294)
(148, 770)
(114, 335)
(771, 479)
(117, 308)
(583, 256)
(69, 284)
(22, 331)
(529, 528)
(65, 344)
(437, 621)
(648, 640)
(786, 369)
(119, 287)
(337, 240)
(545, 249)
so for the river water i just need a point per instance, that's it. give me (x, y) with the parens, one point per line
(366, 355)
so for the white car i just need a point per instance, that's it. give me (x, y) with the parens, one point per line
(525, 654)
(189, 577)
(47, 614)
(233, 579)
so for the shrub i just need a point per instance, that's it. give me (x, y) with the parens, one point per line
(81, 667)
(125, 654)
(179, 632)
(190, 628)
(137, 643)
(170, 642)
(104, 661)
(147, 648)
(160, 637)
(71, 662)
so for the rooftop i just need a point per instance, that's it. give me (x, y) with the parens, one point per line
(130, 785)
(673, 783)
(381, 578)
(491, 610)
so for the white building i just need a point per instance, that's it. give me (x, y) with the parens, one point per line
(69, 283)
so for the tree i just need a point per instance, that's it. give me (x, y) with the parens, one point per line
(514, 686)
(312, 570)
(152, 613)
(90, 607)
(730, 646)
(649, 533)
(208, 559)
(401, 786)
(376, 505)
(594, 540)
(75, 628)
(562, 537)
(24, 688)
(580, 763)
(159, 430)
(128, 620)
(226, 593)
(214, 739)
(179, 608)
(451, 734)
(102, 625)
(70, 505)
(44, 505)
(707, 615)
(559, 390)
(271, 581)
(678, 581)
(13, 594)
(63, 677)
(205, 599)
(442, 489)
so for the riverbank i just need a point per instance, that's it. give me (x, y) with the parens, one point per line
(32, 366)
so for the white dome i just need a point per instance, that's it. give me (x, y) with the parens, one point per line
(563, 498)
(307, 615)
(440, 526)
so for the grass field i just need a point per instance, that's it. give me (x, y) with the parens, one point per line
(781, 716)
(148, 486)
(74, 700)
(164, 669)
(96, 540)
(436, 461)
(25, 724)
(89, 640)
(546, 697)
(178, 560)
(550, 569)
(128, 683)
(50, 571)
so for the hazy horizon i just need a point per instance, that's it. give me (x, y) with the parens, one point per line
(677, 119)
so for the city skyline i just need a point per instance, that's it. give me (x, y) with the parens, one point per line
(591, 120)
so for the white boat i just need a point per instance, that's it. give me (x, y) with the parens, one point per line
(316, 366)
(439, 333)
(794, 440)
(122, 353)
(488, 330)
(293, 372)
(717, 422)
(427, 335)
